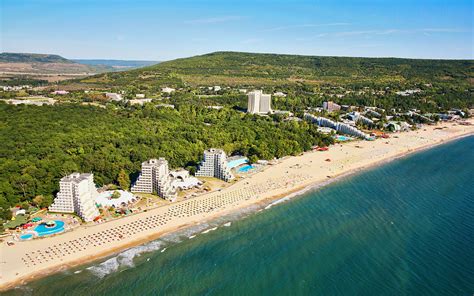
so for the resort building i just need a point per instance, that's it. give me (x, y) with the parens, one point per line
(15, 88)
(77, 194)
(104, 199)
(183, 181)
(167, 90)
(356, 117)
(408, 92)
(258, 102)
(114, 96)
(331, 106)
(140, 102)
(399, 126)
(60, 92)
(155, 178)
(38, 101)
(279, 94)
(372, 112)
(325, 130)
(414, 114)
(216, 107)
(215, 165)
(343, 128)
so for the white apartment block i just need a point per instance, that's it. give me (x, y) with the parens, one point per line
(215, 165)
(155, 178)
(338, 126)
(258, 102)
(77, 194)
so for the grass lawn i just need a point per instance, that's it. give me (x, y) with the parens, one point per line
(19, 220)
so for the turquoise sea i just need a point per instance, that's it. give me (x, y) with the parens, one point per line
(404, 228)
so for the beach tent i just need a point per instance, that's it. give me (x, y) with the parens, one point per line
(20, 212)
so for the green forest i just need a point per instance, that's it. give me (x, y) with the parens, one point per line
(41, 144)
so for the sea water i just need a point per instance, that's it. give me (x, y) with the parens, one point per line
(404, 228)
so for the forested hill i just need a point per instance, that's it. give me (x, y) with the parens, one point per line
(296, 66)
(234, 68)
(9, 57)
(39, 64)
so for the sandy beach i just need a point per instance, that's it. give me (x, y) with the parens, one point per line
(27, 260)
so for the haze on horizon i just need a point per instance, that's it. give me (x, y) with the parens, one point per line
(164, 30)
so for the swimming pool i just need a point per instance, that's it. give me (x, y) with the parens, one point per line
(42, 230)
(26, 236)
(245, 169)
(236, 162)
(342, 138)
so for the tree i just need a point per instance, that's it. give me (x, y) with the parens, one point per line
(123, 180)
(5, 213)
(38, 200)
(24, 205)
(253, 159)
(43, 201)
(115, 195)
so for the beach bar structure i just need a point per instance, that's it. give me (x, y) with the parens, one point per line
(77, 194)
(338, 126)
(155, 178)
(215, 165)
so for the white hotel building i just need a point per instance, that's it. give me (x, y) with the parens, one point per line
(155, 178)
(259, 103)
(338, 126)
(215, 165)
(77, 194)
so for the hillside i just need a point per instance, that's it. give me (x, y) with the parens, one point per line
(20, 68)
(235, 68)
(42, 64)
(9, 57)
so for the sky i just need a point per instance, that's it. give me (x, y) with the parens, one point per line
(164, 30)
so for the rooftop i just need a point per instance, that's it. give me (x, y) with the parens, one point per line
(76, 177)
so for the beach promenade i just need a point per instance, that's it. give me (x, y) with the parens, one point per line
(29, 259)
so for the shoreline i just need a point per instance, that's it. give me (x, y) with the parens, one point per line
(273, 190)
